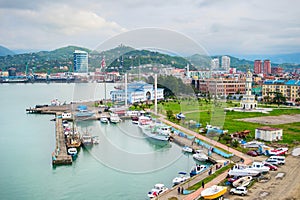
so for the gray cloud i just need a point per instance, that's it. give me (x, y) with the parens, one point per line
(227, 26)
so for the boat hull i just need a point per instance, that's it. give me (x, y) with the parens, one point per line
(213, 192)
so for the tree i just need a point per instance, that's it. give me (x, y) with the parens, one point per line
(169, 114)
(297, 100)
(279, 98)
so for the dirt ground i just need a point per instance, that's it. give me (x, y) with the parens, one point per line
(273, 120)
(287, 188)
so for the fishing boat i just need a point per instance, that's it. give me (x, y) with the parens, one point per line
(181, 178)
(187, 149)
(242, 170)
(213, 192)
(157, 131)
(72, 151)
(244, 181)
(158, 189)
(200, 156)
(114, 118)
(197, 169)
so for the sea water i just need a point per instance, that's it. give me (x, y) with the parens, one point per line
(124, 165)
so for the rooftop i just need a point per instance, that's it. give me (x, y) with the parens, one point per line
(267, 128)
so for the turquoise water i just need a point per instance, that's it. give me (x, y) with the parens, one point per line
(125, 165)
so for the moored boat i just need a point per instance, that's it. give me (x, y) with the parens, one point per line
(95, 140)
(86, 139)
(213, 192)
(200, 156)
(158, 189)
(187, 149)
(104, 120)
(114, 118)
(72, 151)
(197, 169)
(181, 178)
(158, 131)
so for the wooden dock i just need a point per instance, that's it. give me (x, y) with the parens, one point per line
(61, 155)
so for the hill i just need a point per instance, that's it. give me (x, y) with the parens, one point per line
(292, 58)
(5, 51)
(121, 58)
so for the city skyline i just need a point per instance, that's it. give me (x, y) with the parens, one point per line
(221, 27)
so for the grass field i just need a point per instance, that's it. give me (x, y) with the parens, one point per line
(207, 112)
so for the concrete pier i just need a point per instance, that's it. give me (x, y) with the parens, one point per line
(61, 154)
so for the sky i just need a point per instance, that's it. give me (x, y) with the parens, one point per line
(219, 26)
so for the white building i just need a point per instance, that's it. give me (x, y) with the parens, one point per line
(81, 61)
(248, 102)
(226, 62)
(215, 63)
(137, 92)
(267, 133)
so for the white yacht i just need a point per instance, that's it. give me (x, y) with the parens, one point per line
(242, 170)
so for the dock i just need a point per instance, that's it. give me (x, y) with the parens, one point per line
(61, 155)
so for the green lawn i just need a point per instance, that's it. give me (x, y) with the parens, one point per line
(208, 112)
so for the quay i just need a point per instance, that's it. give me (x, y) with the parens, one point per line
(60, 156)
(196, 194)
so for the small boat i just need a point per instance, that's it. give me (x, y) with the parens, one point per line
(158, 189)
(72, 151)
(95, 140)
(213, 192)
(244, 181)
(104, 120)
(114, 118)
(181, 178)
(197, 169)
(187, 149)
(200, 156)
(242, 170)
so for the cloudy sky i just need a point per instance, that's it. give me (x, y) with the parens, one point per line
(219, 26)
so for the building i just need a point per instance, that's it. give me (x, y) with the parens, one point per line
(277, 70)
(12, 71)
(267, 67)
(215, 63)
(267, 133)
(137, 92)
(226, 62)
(81, 61)
(248, 101)
(288, 88)
(221, 86)
(258, 67)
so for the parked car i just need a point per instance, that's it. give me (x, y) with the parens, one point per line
(252, 153)
(272, 161)
(239, 190)
(271, 166)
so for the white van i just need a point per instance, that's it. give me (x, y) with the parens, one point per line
(280, 159)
